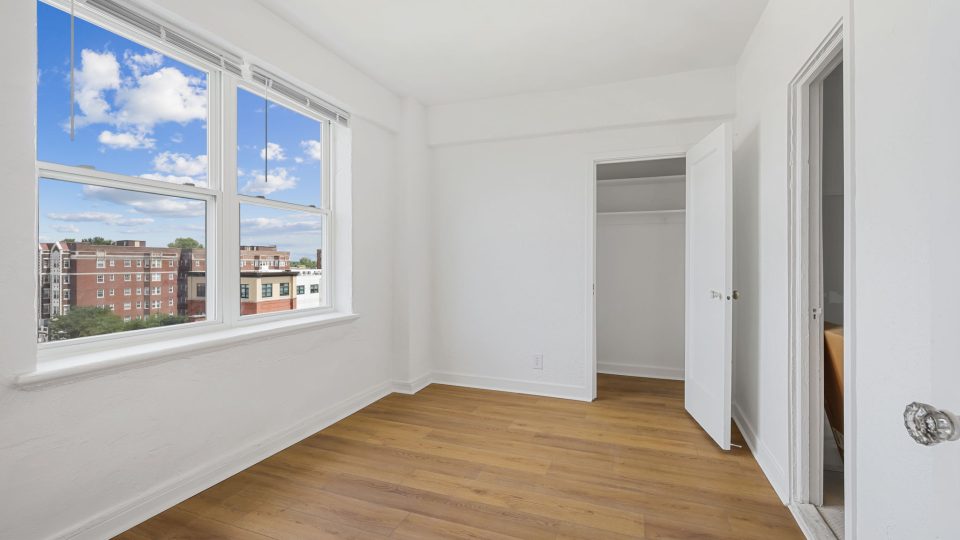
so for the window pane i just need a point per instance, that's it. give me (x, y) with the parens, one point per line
(286, 166)
(137, 113)
(90, 234)
(280, 252)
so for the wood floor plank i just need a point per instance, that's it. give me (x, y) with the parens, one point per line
(461, 463)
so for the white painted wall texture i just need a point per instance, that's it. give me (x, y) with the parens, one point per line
(786, 35)
(74, 454)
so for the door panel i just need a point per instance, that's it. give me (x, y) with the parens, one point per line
(708, 313)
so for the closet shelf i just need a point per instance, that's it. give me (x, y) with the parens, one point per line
(641, 212)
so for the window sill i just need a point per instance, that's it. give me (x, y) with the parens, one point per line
(81, 366)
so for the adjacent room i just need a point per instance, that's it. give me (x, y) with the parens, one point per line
(452, 269)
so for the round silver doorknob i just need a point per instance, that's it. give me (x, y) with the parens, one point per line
(929, 425)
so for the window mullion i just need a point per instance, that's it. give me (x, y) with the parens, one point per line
(230, 219)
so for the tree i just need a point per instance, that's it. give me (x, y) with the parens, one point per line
(98, 240)
(155, 320)
(69, 240)
(307, 262)
(85, 321)
(185, 243)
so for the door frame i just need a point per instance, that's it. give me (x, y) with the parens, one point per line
(590, 271)
(805, 359)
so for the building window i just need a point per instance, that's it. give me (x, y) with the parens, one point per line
(314, 289)
(266, 290)
(66, 263)
(112, 292)
(100, 263)
(169, 290)
(112, 276)
(126, 277)
(170, 302)
(139, 291)
(126, 264)
(139, 264)
(126, 292)
(244, 291)
(111, 307)
(66, 278)
(284, 289)
(66, 294)
(300, 289)
(156, 277)
(170, 276)
(126, 306)
(113, 262)
(99, 293)
(201, 290)
(156, 290)
(139, 305)
(99, 278)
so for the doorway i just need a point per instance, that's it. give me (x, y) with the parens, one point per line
(820, 281)
(640, 243)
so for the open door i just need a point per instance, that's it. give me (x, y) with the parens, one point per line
(709, 295)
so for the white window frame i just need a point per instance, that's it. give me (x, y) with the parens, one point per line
(223, 323)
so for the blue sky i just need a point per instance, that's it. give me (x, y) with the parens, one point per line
(140, 113)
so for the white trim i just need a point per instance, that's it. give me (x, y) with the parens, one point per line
(121, 517)
(804, 368)
(100, 362)
(413, 386)
(811, 523)
(635, 370)
(680, 211)
(765, 457)
(535, 388)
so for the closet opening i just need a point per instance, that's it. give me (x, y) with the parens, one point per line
(640, 245)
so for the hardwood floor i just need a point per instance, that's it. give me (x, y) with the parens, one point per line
(454, 462)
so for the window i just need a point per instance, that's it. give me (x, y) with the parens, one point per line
(66, 294)
(124, 166)
(314, 289)
(126, 306)
(66, 278)
(139, 305)
(111, 307)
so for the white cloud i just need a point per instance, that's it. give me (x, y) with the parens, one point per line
(181, 164)
(66, 228)
(125, 140)
(313, 149)
(98, 72)
(279, 179)
(273, 152)
(140, 62)
(173, 179)
(145, 203)
(298, 159)
(292, 224)
(141, 101)
(100, 217)
(166, 95)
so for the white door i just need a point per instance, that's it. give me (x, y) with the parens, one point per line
(906, 265)
(708, 332)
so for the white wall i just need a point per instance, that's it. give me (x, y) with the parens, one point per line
(680, 97)
(620, 196)
(786, 35)
(85, 450)
(510, 243)
(640, 286)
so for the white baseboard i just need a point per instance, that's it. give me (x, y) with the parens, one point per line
(414, 386)
(535, 388)
(768, 462)
(634, 370)
(121, 517)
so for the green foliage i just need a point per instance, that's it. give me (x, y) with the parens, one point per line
(307, 262)
(69, 240)
(98, 240)
(85, 321)
(93, 321)
(185, 243)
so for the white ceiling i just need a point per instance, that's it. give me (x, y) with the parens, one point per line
(443, 51)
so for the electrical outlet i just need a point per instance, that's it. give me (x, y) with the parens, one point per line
(538, 361)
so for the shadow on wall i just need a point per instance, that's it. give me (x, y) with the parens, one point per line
(746, 270)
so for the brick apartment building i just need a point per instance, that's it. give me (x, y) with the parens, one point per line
(136, 281)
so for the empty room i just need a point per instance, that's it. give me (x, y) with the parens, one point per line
(532, 269)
